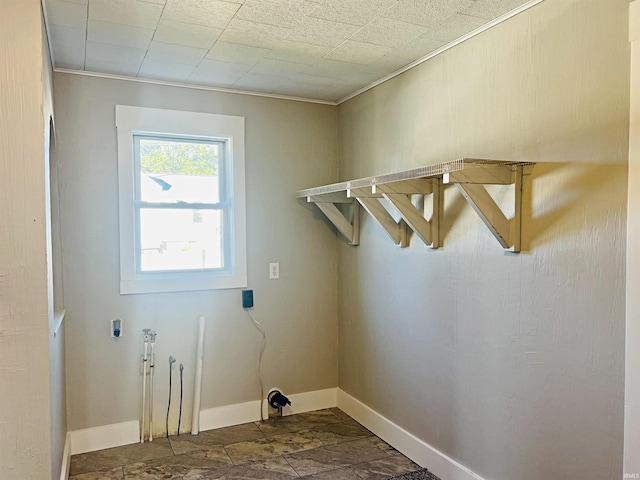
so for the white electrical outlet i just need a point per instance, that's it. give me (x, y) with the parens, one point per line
(274, 271)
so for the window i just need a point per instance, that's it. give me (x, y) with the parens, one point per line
(182, 207)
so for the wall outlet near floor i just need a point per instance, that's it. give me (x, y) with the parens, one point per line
(274, 271)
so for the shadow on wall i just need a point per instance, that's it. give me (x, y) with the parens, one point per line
(566, 196)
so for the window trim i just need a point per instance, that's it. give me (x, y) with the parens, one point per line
(143, 121)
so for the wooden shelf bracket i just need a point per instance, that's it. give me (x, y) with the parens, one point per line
(397, 231)
(469, 175)
(507, 231)
(349, 228)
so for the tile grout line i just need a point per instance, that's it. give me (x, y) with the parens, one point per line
(292, 467)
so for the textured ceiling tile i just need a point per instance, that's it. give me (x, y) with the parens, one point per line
(361, 78)
(259, 83)
(67, 14)
(389, 63)
(297, 52)
(118, 34)
(219, 79)
(69, 56)
(306, 79)
(235, 53)
(384, 66)
(296, 89)
(174, 72)
(254, 34)
(212, 13)
(322, 32)
(127, 12)
(267, 66)
(281, 13)
(323, 49)
(188, 34)
(97, 52)
(215, 66)
(354, 12)
(215, 73)
(429, 13)
(388, 32)
(455, 27)
(419, 47)
(168, 52)
(358, 52)
(114, 68)
(332, 68)
(68, 36)
(490, 9)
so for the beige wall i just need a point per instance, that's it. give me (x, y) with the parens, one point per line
(289, 145)
(632, 371)
(511, 364)
(25, 448)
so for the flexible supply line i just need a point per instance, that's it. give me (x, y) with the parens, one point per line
(262, 349)
(180, 414)
(144, 382)
(171, 362)
(152, 365)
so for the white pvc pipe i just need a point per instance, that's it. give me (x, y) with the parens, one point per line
(152, 364)
(197, 387)
(144, 384)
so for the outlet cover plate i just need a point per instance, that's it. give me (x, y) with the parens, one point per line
(274, 271)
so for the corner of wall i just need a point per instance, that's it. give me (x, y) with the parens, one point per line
(632, 354)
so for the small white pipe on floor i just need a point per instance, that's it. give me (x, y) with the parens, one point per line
(197, 388)
(144, 382)
(152, 364)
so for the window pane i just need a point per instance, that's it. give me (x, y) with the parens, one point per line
(174, 171)
(180, 239)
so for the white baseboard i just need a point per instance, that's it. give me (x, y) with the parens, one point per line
(229, 415)
(310, 401)
(66, 458)
(115, 435)
(417, 450)
(107, 436)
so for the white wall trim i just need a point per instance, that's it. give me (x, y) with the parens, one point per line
(66, 458)
(193, 87)
(125, 433)
(229, 415)
(405, 442)
(107, 436)
(310, 401)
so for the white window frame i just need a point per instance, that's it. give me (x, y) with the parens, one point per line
(172, 124)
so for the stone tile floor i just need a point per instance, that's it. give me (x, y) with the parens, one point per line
(320, 445)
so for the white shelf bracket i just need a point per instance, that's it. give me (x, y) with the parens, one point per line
(350, 229)
(397, 231)
(426, 230)
(507, 231)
